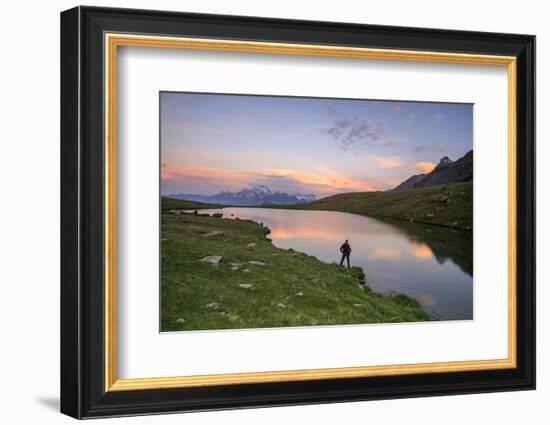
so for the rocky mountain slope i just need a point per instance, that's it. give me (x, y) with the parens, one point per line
(447, 171)
(409, 183)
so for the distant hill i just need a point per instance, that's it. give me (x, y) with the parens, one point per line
(180, 204)
(447, 171)
(449, 205)
(254, 196)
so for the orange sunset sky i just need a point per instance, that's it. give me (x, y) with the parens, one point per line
(211, 143)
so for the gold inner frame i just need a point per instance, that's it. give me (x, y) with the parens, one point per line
(113, 41)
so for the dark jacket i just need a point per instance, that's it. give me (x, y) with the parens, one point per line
(345, 249)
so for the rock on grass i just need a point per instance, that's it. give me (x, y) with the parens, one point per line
(212, 259)
(212, 234)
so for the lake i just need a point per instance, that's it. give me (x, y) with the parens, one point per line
(429, 263)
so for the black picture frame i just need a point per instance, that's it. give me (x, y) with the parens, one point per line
(83, 392)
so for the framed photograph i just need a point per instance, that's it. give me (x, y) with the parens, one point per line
(261, 212)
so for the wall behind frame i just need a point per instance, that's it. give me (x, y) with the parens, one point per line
(29, 219)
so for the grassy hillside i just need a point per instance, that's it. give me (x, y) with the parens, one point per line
(170, 204)
(280, 288)
(448, 205)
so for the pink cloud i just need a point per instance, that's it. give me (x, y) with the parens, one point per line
(322, 182)
(388, 161)
(424, 167)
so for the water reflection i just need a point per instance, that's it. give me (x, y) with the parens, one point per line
(431, 264)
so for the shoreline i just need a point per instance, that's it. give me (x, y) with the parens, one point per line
(447, 206)
(256, 284)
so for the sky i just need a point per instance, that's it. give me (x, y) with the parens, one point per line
(216, 142)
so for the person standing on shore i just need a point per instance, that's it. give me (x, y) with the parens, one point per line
(345, 249)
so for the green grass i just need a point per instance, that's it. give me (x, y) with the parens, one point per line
(449, 205)
(331, 295)
(171, 204)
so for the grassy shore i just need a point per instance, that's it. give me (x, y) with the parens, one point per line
(168, 204)
(449, 205)
(280, 288)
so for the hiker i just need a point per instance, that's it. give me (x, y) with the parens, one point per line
(345, 249)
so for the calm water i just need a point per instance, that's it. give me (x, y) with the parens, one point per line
(431, 264)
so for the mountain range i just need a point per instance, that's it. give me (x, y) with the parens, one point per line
(447, 171)
(254, 196)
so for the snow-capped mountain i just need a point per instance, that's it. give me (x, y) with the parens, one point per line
(256, 195)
